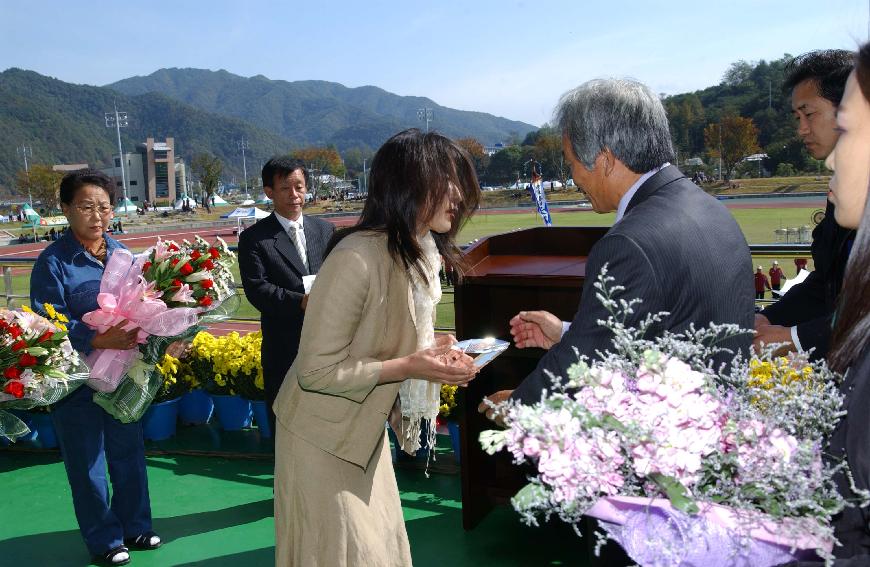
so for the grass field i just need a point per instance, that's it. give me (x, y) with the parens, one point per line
(757, 224)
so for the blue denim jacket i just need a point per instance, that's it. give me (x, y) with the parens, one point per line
(68, 277)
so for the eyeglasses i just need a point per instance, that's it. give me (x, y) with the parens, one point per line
(88, 210)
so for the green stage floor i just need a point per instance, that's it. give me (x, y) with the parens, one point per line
(215, 510)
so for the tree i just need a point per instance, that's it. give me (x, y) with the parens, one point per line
(548, 150)
(355, 158)
(785, 170)
(738, 73)
(477, 153)
(322, 160)
(505, 165)
(42, 184)
(208, 169)
(736, 136)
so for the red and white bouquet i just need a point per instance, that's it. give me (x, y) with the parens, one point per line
(164, 291)
(190, 274)
(39, 365)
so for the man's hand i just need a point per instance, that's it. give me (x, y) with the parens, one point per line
(536, 329)
(304, 303)
(496, 398)
(765, 333)
(761, 321)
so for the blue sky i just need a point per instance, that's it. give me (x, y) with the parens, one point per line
(509, 58)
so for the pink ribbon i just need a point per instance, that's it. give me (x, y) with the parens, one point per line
(126, 296)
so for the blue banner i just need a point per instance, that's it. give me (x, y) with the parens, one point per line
(537, 191)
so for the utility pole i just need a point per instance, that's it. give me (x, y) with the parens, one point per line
(24, 150)
(720, 150)
(427, 115)
(244, 145)
(118, 120)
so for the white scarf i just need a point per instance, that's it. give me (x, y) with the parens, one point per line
(420, 399)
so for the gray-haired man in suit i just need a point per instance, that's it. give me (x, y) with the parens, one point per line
(668, 237)
(274, 254)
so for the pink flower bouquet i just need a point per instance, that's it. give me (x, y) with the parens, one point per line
(682, 464)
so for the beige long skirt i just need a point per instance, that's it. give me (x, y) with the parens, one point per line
(331, 513)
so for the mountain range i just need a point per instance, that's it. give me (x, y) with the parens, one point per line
(316, 112)
(210, 111)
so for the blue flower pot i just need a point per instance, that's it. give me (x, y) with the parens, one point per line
(453, 428)
(159, 421)
(233, 412)
(42, 424)
(195, 407)
(261, 418)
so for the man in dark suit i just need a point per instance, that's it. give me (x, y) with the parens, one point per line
(668, 237)
(802, 319)
(274, 255)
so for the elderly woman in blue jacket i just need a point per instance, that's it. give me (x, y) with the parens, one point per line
(67, 275)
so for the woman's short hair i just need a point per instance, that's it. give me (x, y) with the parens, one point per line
(410, 176)
(75, 180)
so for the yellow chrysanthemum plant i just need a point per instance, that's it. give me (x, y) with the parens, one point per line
(447, 410)
(229, 365)
(174, 372)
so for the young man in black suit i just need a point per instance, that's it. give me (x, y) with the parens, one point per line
(669, 235)
(802, 318)
(274, 255)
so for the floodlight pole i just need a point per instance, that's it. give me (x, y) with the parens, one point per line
(244, 145)
(427, 115)
(119, 120)
(24, 150)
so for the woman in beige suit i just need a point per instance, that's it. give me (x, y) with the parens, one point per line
(368, 330)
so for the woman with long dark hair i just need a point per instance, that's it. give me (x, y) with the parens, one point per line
(851, 339)
(368, 351)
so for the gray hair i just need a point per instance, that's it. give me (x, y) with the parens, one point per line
(621, 115)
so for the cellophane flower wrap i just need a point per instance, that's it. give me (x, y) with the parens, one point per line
(683, 464)
(39, 365)
(169, 291)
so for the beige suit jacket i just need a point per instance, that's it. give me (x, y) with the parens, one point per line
(360, 312)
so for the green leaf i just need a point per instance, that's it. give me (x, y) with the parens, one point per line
(529, 496)
(676, 493)
(37, 351)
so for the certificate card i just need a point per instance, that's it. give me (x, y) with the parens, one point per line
(484, 351)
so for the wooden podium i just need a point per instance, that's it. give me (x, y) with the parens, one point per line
(538, 268)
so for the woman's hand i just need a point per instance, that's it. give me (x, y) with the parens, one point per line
(439, 363)
(116, 338)
(178, 349)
